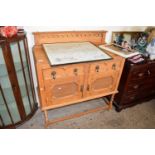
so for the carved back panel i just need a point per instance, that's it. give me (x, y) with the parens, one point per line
(95, 37)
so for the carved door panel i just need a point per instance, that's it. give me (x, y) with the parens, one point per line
(63, 84)
(102, 77)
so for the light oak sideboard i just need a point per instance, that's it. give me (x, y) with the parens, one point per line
(68, 84)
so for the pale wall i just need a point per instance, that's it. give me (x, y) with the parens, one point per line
(30, 29)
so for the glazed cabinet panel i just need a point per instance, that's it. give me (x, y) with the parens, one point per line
(63, 84)
(17, 96)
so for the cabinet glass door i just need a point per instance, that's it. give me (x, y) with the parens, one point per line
(27, 73)
(8, 109)
(22, 71)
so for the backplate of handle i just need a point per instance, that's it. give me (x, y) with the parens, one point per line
(88, 88)
(114, 66)
(53, 75)
(97, 68)
(76, 71)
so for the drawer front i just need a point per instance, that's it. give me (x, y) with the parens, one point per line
(105, 66)
(56, 73)
(134, 86)
(139, 72)
(129, 98)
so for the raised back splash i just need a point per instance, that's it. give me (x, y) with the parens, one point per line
(95, 37)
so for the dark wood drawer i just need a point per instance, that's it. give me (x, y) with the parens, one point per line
(129, 97)
(146, 93)
(139, 74)
(133, 87)
(148, 84)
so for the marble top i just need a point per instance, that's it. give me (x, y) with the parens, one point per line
(67, 53)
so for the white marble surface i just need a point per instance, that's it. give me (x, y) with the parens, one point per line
(66, 53)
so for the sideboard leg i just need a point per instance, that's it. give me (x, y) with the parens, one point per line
(46, 118)
(111, 101)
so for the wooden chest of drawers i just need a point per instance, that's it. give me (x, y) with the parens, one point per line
(137, 84)
(73, 83)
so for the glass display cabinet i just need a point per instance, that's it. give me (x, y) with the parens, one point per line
(17, 95)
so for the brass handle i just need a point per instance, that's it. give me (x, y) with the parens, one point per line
(140, 74)
(132, 97)
(148, 72)
(88, 88)
(76, 71)
(136, 86)
(81, 89)
(53, 75)
(97, 68)
(114, 66)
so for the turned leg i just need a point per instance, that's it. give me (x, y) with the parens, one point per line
(46, 118)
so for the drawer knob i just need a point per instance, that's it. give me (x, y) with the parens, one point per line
(114, 66)
(148, 72)
(140, 74)
(132, 97)
(76, 71)
(136, 86)
(97, 68)
(53, 75)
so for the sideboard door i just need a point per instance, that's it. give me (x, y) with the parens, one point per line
(102, 78)
(63, 84)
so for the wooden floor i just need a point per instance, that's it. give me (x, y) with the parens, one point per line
(139, 116)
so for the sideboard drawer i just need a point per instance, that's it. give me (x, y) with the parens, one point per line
(105, 67)
(56, 73)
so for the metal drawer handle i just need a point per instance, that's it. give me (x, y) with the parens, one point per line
(136, 86)
(97, 68)
(140, 74)
(148, 72)
(81, 89)
(88, 88)
(132, 97)
(53, 75)
(114, 66)
(76, 71)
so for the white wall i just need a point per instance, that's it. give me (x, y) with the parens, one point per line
(30, 29)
